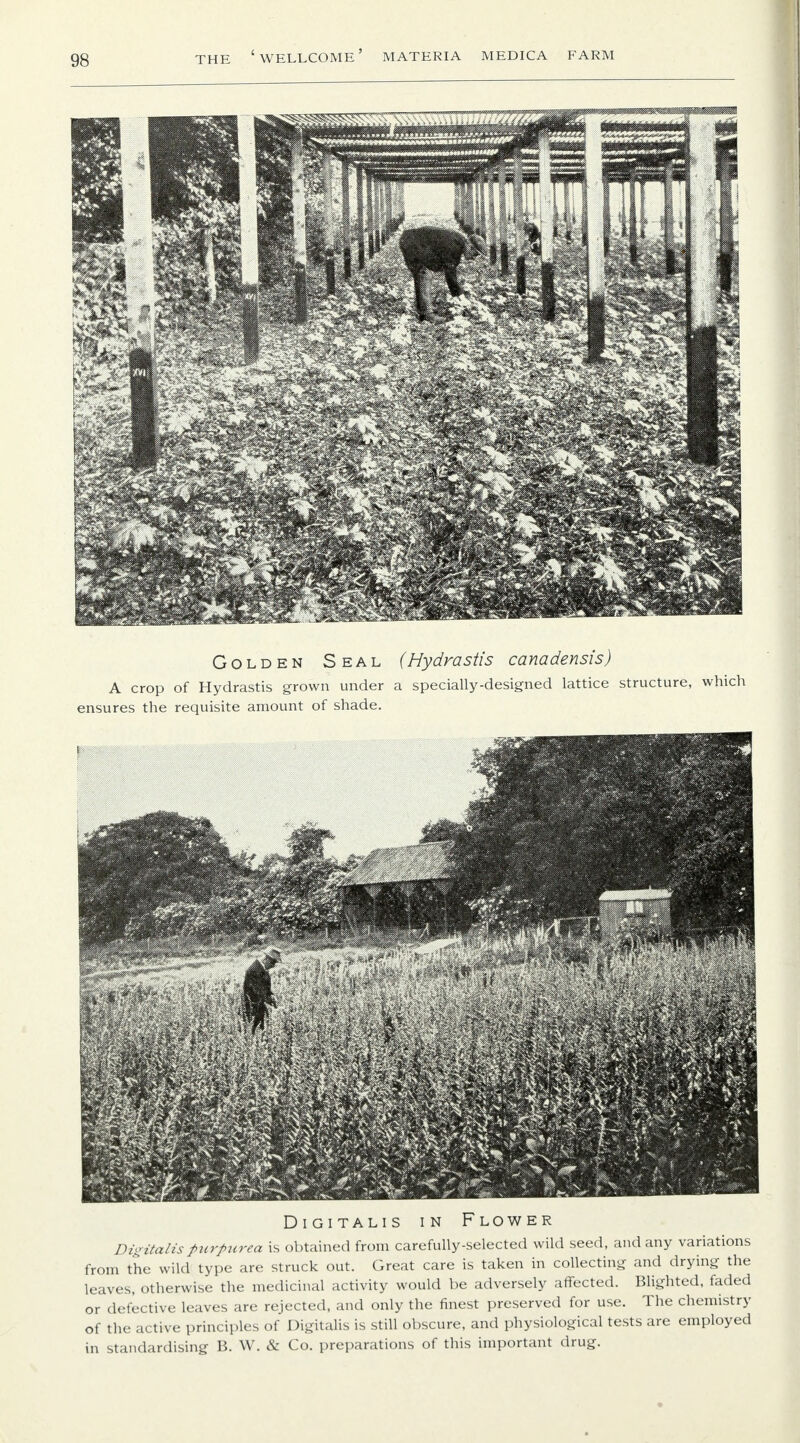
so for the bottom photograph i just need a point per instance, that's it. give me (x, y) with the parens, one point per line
(484, 968)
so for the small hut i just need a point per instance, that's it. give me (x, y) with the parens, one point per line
(650, 904)
(396, 885)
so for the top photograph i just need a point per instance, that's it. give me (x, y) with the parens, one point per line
(406, 366)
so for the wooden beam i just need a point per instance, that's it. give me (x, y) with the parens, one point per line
(669, 221)
(725, 220)
(360, 214)
(299, 226)
(546, 228)
(248, 219)
(327, 205)
(520, 237)
(137, 224)
(502, 215)
(701, 290)
(595, 261)
(347, 258)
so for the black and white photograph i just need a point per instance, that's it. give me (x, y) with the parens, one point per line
(509, 967)
(406, 366)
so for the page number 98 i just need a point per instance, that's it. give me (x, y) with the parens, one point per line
(78, 58)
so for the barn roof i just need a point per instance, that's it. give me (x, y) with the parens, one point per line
(451, 145)
(427, 862)
(645, 894)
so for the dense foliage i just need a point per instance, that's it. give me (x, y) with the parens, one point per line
(164, 875)
(562, 819)
(470, 1077)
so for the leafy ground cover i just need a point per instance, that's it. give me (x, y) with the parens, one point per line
(371, 468)
(505, 1069)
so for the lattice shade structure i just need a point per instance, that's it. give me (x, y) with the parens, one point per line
(452, 145)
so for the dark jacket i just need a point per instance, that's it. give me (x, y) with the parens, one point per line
(257, 995)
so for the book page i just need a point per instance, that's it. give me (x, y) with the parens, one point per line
(401, 822)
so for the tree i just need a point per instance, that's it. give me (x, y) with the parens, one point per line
(129, 868)
(442, 831)
(561, 819)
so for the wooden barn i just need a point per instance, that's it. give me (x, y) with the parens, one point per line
(650, 904)
(411, 886)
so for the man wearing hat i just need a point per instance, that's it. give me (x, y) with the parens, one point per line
(257, 995)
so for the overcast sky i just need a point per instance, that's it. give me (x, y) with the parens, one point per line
(369, 794)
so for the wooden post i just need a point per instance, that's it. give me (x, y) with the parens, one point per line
(389, 208)
(583, 209)
(376, 211)
(595, 262)
(567, 211)
(606, 215)
(208, 265)
(370, 218)
(347, 259)
(634, 249)
(492, 218)
(360, 214)
(299, 218)
(140, 289)
(519, 221)
(725, 220)
(555, 209)
(701, 289)
(643, 216)
(623, 224)
(248, 218)
(669, 221)
(482, 202)
(327, 202)
(546, 225)
(469, 208)
(502, 215)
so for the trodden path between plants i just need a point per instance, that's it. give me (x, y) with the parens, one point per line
(369, 467)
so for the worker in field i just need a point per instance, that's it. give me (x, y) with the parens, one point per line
(257, 993)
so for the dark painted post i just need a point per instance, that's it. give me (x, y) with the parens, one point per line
(248, 221)
(299, 222)
(606, 215)
(725, 220)
(634, 249)
(492, 218)
(370, 218)
(360, 214)
(546, 227)
(669, 221)
(502, 214)
(327, 204)
(595, 260)
(140, 289)
(701, 289)
(347, 257)
(519, 221)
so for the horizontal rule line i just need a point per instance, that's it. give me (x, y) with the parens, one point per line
(449, 80)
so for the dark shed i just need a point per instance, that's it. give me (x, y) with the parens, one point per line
(400, 883)
(648, 903)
